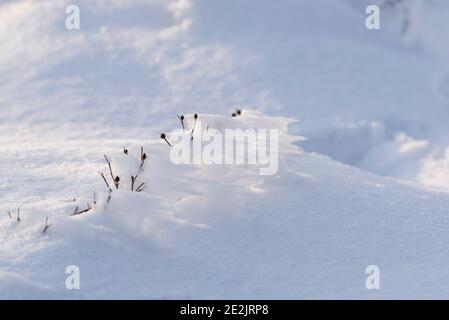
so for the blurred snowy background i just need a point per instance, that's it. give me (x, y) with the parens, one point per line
(362, 96)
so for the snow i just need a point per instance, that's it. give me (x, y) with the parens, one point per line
(363, 150)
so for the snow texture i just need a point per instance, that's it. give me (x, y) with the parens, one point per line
(363, 174)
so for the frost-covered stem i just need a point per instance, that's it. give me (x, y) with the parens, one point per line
(104, 179)
(116, 180)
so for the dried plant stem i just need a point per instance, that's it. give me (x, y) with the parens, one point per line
(140, 187)
(143, 157)
(133, 180)
(104, 179)
(195, 116)
(76, 212)
(114, 179)
(181, 119)
(46, 225)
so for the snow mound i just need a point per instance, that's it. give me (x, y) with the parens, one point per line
(373, 106)
(19, 287)
(214, 231)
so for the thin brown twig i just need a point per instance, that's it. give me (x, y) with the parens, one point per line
(133, 179)
(82, 211)
(116, 180)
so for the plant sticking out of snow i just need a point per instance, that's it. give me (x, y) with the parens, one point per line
(163, 137)
(46, 226)
(181, 119)
(105, 180)
(143, 157)
(77, 211)
(237, 113)
(115, 179)
(140, 187)
(195, 117)
(18, 214)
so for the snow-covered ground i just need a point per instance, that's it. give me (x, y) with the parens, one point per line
(369, 186)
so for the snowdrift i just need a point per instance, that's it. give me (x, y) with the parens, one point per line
(368, 186)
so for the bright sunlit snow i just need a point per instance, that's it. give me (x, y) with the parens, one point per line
(363, 168)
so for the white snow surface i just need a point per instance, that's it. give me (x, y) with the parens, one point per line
(368, 186)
